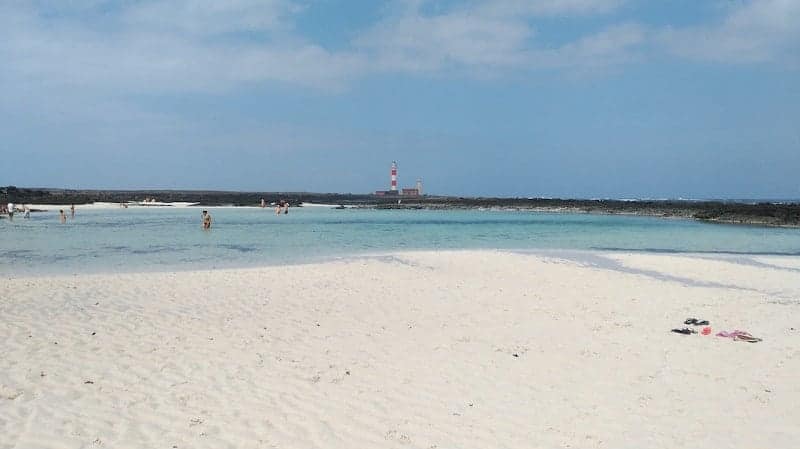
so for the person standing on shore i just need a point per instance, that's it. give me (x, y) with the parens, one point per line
(11, 211)
(72, 210)
(263, 203)
(62, 216)
(206, 220)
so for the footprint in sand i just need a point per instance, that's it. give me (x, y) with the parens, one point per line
(395, 435)
(9, 393)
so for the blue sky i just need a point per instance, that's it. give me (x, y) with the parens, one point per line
(562, 98)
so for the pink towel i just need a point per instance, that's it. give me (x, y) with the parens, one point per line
(731, 334)
(738, 335)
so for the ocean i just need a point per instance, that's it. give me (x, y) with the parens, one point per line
(167, 238)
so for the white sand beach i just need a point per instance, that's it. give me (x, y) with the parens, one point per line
(472, 349)
(99, 205)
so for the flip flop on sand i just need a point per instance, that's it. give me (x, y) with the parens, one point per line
(745, 336)
(685, 331)
(696, 322)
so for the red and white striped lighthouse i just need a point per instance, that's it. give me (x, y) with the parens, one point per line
(394, 177)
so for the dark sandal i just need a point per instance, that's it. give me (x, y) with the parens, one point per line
(696, 322)
(744, 336)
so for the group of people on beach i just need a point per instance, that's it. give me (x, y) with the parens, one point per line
(280, 206)
(10, 209)
(63, 217)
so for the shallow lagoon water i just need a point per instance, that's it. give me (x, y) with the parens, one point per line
(155, 239)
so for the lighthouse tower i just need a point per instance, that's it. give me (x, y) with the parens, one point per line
(394, 177)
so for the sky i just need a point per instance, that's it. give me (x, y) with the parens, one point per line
(552, 98)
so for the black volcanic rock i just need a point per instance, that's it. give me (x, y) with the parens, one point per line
(770, 214)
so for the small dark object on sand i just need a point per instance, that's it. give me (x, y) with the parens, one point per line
(685, 331)
(93, 333)
(515, 354)
(88, 382)
(696, 322)
(347, 372)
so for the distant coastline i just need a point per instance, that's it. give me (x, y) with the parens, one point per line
(746, 212)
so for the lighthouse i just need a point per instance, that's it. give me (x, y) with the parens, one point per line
(393, 187)
(394, 191)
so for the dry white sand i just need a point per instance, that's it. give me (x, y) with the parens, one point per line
(423, 350)
(100, 206)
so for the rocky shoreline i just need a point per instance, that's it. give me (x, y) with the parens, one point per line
(785, 214)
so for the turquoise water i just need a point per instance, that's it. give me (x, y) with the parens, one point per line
(144, 239)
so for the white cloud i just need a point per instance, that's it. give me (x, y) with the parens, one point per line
(160, 46)
(494, 36)
(419, 43)
(207, 17)
(205, 45)
(610, 47)
(156, 46)
(547, 7)
(754, 32)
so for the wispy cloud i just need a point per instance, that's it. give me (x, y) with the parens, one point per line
(757, 31)
(416, 42)
(546, 7)
(495, 36)
(610, 47)
(205, 45)
(209, 17)
(157, 46)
